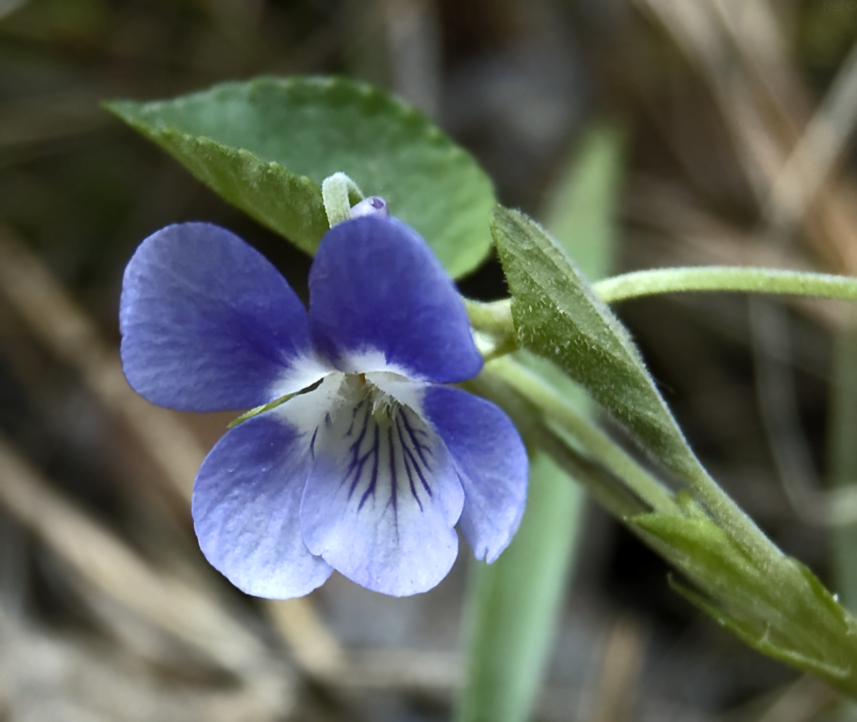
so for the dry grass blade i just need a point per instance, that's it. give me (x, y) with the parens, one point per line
(816, 153)
(785, 164)
(50, 677)
(803, 701)
(63, 327)
(57, 321)
(621, 666)
(788, 167)
(314, 647)
(111, 566)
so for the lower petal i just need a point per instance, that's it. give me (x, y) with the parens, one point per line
(382, 500)
(491, 461)
(246, 502)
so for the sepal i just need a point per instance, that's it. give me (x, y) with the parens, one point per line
(782, 610)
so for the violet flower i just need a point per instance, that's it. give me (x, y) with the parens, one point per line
(362, 460)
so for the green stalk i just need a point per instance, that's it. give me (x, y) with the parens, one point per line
(608, 453)
(724, 278)
(339, 193)
(514, 605)
(842, 454)
(496, 318)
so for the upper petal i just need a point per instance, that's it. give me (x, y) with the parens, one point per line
(491, 461)
(375, 286)
(381, 500)
(208, 324)
(246, 502)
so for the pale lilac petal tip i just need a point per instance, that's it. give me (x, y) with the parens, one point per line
(492, 463)
(246, 502)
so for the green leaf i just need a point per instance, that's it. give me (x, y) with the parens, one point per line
(514, 603)
(780, 609)
(558, 316)
(771, 601)
(266, 146)
(581, 209)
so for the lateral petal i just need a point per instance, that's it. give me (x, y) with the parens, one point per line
(491, 461)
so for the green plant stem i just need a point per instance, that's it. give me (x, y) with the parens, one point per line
(596, 442)
(724, 278)
(603, 487)
(842, 454)
(728, 514)
(495, 321)
(776, 606)
(496, 318)
(716, 278)
(339, 193)
(619, 462)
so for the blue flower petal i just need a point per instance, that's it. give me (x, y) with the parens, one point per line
(491, 461)
(379, 296)
(382, 499)
(208, 324)
(245, 507)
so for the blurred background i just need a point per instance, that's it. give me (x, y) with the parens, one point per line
(735, 117)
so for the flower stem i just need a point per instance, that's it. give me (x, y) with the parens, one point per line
(493, 318)
(723, 278)
(603, 487)
(496, 318)
(339, 193)
(495, 321)
(596, 442)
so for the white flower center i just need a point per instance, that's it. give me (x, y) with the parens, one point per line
(378, 391)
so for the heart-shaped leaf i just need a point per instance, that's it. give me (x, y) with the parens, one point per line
(267, 144)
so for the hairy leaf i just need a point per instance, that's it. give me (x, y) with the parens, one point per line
(558, 316)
